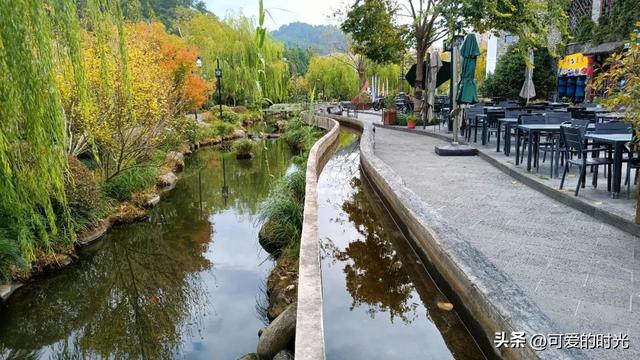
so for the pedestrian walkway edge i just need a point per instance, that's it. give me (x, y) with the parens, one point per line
(567, 199)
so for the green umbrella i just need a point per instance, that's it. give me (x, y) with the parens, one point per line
(467, 91)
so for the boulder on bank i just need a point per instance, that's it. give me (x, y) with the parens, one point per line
(7, 289)
(167, 181)
(279, 335)
(87, 237)
(282, 287)
(284, 355)
(128, 213)
(175, 161)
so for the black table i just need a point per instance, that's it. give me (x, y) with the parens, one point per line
(617, 142)
(533, 131)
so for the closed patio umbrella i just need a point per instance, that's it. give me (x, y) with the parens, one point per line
(467, 90)
(434, 65)
(528, 90)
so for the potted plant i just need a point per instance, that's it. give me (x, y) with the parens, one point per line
(412, 120)
(389, 111)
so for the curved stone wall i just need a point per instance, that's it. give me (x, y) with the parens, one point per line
(309, 321)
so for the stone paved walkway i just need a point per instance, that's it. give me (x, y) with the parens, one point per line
(582, 273)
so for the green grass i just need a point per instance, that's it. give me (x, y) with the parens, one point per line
(244, 148)
(127, 182)
(9, 255)
(282, 213)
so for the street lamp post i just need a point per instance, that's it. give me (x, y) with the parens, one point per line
(218, 78)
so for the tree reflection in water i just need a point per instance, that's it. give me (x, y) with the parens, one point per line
(374, 274)
(144, 292)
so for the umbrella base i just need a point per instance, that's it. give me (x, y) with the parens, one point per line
(455, 150)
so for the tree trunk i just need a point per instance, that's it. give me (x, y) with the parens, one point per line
(419, 69)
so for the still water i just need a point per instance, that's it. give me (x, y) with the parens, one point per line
(184, 285)
(379, 301)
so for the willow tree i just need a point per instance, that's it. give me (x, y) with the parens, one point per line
(243, 59)
(32, 133)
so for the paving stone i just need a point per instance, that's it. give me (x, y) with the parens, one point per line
(568, 262)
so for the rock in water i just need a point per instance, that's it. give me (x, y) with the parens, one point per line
(284, 355)
(167, 181)
(251, 356)
(175, 161)
(279, 334)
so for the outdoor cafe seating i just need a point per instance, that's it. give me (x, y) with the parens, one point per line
(539, 136)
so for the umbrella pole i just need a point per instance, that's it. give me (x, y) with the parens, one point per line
(454, 103)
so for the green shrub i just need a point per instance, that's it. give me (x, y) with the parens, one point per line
(507, 80)
(230, 116)
(223, 129)
(250, 117)
(300, 136)
(179, 131)
(124, 184)
(85, 199)
(244, 148)
(9, 255)
(282, 214)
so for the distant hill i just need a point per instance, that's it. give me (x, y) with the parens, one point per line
(321, 39)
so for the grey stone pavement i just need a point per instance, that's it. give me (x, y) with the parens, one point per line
(584, 274)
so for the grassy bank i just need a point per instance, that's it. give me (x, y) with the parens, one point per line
(281, 215)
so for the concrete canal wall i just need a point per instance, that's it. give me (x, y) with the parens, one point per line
(487, 299)
(309, 321)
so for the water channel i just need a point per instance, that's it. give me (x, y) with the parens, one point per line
(189, 283)
(379, 301)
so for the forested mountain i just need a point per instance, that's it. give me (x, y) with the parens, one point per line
(321, 39)
(161, 10)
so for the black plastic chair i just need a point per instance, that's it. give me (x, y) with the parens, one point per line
(585, 115)
(556, 117)
(471, 121)
(492, 122)
(573, 139)
(551, 140)
(529, 119)
(633, 162)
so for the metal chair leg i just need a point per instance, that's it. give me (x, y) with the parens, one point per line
(583, 171)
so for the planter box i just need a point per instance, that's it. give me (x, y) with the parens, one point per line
(411, 124)
(389, 117)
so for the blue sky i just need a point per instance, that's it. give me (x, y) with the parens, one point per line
(282, 11)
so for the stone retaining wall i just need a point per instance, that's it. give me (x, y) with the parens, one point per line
(309, 321)
(488, 299)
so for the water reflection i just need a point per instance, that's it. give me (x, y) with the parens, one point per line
(371, 278)
(374, 274)
(182, 284)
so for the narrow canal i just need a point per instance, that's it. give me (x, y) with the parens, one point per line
(186, 284)
(379, 301)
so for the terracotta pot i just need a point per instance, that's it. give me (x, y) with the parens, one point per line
(389, 117)
(411, 124)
